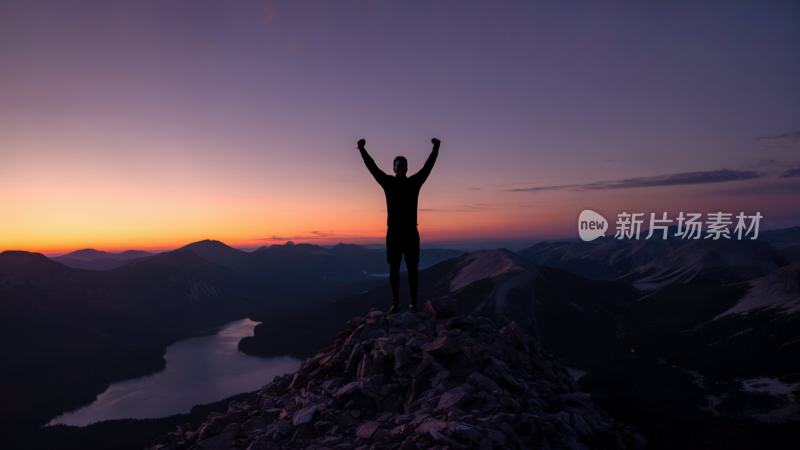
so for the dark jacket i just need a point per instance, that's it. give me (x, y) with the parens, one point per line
(401, 193)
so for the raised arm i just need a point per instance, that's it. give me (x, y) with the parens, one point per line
(423, 173)
(376, 172)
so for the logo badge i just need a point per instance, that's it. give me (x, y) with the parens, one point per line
(591, 225)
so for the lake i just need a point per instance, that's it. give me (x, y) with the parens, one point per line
(199, 370)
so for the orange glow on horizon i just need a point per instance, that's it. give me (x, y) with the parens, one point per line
(61, 204)
(54, 220)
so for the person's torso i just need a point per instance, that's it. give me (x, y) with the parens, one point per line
(401, 202)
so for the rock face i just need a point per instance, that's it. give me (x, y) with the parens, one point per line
(416, 381)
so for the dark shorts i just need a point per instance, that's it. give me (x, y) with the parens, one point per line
(401, 242)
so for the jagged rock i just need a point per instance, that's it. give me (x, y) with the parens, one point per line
(222, 441)
(451, 398)
(483, 382)
(270, 414)
(213, 426)
(403, 320)
(441, 307)
(416, 381)
(465, 432)
(347, 389)
(254, 423)
(431, 425)
(443, 344)
(367, 429)
(401, 358)
(305, 415)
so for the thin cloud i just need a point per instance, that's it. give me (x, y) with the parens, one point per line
(470, 207)
(790, 136)
(786, 143)
(770, 187)
(310, 236)
(675, 179)
(791, 173)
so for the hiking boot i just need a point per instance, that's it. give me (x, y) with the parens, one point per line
(392, 309)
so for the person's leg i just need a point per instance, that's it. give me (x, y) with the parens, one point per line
(393, 257)
(413, 277)
(394, 281)
(412, 265)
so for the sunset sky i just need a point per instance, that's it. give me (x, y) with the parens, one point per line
(151, 124)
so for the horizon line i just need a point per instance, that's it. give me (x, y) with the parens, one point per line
(378, 242)
(250, 248)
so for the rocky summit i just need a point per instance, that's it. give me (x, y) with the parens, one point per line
(425, 380)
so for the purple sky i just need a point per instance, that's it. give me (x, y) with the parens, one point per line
(238, 119)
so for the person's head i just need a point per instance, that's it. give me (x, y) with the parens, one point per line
(400, 166)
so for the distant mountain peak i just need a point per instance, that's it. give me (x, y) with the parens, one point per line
(23, 255)
(86, 253)
(215, 251)
(18, 262)
(415, 381)
(134, 253)
(207, 243)
(93, 259)
(210, 245)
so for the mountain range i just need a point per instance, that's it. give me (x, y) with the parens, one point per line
(685, 340)
(89, 258)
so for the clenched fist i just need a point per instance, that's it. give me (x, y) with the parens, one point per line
(361, 143)
(435, 142)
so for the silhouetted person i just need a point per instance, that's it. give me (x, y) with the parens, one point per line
(402, 236)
